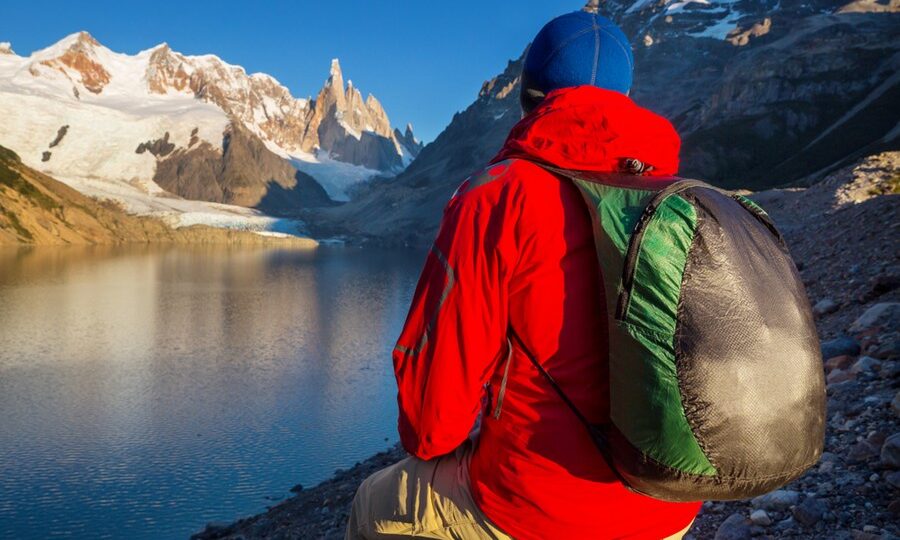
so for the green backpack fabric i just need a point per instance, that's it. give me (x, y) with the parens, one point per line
(716, 381)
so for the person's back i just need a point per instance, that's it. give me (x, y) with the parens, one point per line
(535, 471)
(516, 253)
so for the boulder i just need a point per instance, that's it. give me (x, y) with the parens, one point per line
(866, 363)
(840, 375)
(824, 307)
(735, 527)
(890, 451)
(810, 511)
(888, 347)
(883, 315)
(839, 346)
(777, 500)
(838, 362)
(760, 517)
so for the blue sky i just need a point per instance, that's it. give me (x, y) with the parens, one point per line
(424, 60)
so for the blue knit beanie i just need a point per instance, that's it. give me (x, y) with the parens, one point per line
(576, 49)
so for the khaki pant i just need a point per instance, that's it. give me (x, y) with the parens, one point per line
(424, 499)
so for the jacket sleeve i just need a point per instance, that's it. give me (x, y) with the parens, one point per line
(455, 331)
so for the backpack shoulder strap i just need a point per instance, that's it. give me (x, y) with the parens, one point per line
(596, 432)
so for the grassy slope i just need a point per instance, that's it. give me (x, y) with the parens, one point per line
(36, 209)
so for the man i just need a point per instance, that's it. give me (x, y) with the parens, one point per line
(515, 251)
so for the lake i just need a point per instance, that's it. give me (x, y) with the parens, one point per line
(147, 391)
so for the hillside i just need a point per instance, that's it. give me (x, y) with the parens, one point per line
(38, 210)
(763, 93)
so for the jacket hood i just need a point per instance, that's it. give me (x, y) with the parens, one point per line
(586, 128)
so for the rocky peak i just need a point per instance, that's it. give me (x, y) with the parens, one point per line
(76, 57)
(166, 70)
(408, 140)
(84, 40)
(6, 48)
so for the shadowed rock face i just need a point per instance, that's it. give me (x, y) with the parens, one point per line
(244, 173)
(35, 209)
(406, 210)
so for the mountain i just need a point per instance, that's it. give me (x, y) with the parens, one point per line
(38, 210)
(405, 211)
(763, 93)
(111, 124)
(766, 92)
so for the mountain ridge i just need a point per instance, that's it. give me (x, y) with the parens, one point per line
(114, 103)
(763, 93)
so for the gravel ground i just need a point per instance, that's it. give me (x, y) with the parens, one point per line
(843, 233)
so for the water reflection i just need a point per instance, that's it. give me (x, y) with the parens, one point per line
(147, 391)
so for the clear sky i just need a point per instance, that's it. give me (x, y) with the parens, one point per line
(424, 60)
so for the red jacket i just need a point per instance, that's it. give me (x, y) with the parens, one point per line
(515, 248)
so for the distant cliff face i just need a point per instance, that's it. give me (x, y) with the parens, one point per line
(242, 172)
(763, 93)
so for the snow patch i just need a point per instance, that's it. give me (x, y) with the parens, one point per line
(335, 176)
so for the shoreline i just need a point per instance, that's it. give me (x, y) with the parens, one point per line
(840, 232)
(317, 512)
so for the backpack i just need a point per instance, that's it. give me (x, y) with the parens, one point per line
(716, 385)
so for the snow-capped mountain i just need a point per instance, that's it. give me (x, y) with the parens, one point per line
(125, 126)
(763, 93)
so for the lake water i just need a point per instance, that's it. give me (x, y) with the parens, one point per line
(147, 391)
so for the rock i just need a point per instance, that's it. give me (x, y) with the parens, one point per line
(890, 371)
(839, 376)
(888, 347)
(216, 526)
(893, 478)
(297, 488)
(760, 517)
(735, 527)
(895, 404)
(862, 451)
(810, 511)
(881, 284)
(778, 500)
(838, 362)
(849, 479)
(883, 315)
(824, 307)
(866, 363)
(843, 345)
(890, 452)
(825, 488)
(846, 388)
